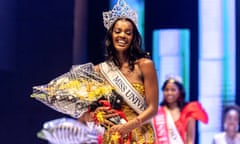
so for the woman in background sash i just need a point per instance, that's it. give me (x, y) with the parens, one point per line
(132, 74)
(176, 120)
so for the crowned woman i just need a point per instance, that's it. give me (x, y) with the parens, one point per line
(176, 120)
(132, 74)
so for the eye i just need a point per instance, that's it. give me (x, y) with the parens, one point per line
(128, 32)
(117, 30)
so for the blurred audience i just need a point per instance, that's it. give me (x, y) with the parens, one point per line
(230, 134)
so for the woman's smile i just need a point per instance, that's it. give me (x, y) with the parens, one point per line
(121, 42)
(122, 35)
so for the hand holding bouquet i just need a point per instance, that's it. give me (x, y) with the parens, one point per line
(81, 90)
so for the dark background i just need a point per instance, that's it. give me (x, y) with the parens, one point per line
(36, 45)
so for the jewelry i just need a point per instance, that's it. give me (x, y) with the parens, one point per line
(121, 9)
(172, 78)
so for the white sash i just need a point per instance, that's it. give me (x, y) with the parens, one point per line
(165, 129)
(174, 136)
(130, 95)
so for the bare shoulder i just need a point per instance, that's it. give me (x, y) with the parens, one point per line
(147, 67)
(145, 62)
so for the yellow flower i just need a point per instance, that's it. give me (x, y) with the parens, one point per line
(115, 138)
(70, 84)
(100, 117)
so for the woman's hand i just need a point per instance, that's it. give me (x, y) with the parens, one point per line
(103, 114)
(86, 117)
(124, 129)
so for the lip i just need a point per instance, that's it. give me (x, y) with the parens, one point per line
(121, 42)
(170, 97)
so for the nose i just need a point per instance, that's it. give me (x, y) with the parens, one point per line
(122, 34)
(167, 92)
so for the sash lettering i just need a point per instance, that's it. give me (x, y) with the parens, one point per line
(122, 86)
(132, 97)
(160, 125)
(165, 129)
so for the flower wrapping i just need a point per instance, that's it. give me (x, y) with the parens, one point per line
(74, 92)
(70, 131)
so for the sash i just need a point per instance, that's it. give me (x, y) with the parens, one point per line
(130, 95)
(165, 129)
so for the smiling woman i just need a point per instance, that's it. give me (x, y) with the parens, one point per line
(132, 74)
(230, 133)
(125, 111)
(176, 120)
(128, 69)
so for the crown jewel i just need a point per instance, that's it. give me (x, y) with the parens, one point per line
(121, 9)
(174, 78)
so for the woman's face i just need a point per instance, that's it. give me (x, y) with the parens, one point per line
(231, 121)
(171, 93)
(122, 35)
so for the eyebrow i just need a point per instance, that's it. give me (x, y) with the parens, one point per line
(119, 28)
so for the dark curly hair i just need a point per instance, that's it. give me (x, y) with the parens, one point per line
(134, 51)
(181, 101)
(226, 110)
(229, 108)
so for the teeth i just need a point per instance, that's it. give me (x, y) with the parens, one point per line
(122, 41)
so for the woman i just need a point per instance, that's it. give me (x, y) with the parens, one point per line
(230, 134)
(132, 75)
(176, 120)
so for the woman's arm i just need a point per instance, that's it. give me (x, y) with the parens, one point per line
(151, 96)
(151, 89)
(191, 127)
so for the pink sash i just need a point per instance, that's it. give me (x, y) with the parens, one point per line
(160, 126)
(165, 128)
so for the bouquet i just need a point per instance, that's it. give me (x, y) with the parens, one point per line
(77, 91)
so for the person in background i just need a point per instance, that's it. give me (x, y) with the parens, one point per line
(230, 134)
(176, 119)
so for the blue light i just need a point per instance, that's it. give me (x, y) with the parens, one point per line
(216, 62)
(171, 55)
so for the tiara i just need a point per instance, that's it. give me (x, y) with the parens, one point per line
(121, 9)
(172, 77)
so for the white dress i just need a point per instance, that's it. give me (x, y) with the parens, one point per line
(221, 138)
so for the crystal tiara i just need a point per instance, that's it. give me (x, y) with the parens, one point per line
(121, 9)
(174, 78)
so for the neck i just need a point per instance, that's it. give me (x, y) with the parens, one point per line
(172, 106)
(122, 58)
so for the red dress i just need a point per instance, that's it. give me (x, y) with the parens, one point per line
(191, 110)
